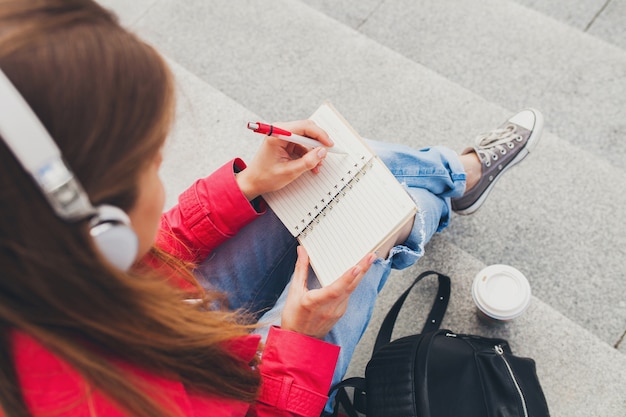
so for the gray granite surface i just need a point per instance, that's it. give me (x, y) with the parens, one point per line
(514, 56)
(609, 23)
(602, 18)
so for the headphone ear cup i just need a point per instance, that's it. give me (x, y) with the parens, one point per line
(113, 236)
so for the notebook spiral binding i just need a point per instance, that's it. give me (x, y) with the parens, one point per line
(334, 200)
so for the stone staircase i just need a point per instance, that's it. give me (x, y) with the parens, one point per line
(438, 73)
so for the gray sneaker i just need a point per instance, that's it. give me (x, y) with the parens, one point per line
(498, 151)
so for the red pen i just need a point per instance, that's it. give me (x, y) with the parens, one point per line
(286, 135)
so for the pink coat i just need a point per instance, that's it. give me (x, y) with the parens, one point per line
(296, 370)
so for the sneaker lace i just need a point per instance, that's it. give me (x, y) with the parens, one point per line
(497, 142)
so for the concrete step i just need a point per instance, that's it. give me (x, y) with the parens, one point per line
(601, 18)
(513, 56)
(572, 363)
(128, 11)
(544, 217)
(206, 134)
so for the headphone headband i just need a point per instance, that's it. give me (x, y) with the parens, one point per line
(33, 147)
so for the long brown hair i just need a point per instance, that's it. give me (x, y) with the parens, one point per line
(107, 99)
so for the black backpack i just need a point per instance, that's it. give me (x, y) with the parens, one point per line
(439, 373)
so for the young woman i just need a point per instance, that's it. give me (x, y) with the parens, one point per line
(108, 307)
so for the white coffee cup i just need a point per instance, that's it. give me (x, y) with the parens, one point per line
(501, 293)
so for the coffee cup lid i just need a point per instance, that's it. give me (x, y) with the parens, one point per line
(501, 291)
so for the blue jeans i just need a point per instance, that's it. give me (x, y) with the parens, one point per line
(259, 280)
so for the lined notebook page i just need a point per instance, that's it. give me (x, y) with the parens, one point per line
(297, 204)
(357, 223)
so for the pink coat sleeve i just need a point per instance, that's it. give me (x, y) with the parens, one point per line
(209, 212)
(51, 387)
(297, 372)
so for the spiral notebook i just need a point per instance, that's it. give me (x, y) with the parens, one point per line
(347, 210)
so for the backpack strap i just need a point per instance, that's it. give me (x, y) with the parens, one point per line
(358, 402)
(421, 370)
(435, 317)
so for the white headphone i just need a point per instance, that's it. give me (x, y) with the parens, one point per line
(33, 147)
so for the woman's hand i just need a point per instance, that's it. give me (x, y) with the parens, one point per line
(277, 162)
(315, 312)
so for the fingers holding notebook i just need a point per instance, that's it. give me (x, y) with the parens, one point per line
(314, 312)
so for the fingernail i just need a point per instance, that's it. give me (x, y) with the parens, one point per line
(356, 270)
(321, 152)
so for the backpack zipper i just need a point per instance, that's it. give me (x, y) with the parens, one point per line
(500, 352)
